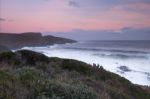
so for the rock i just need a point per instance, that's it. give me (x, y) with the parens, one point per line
(124, 68)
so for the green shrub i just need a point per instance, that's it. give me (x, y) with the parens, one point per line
(61, 90)
(10, 87)
(6, 55)
(34, 84)
(73, 65)
(32, 58)
(9, 58)
(118, 95)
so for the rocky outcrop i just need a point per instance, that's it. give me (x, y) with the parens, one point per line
(30, 39)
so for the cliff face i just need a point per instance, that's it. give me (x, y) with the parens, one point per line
(30, 39)
(30, 75)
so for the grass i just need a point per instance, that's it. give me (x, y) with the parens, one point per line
(36, 76)
(37, 84)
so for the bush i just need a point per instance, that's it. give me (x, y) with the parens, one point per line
(9, 58)
(73, 65)
(69, 91)
(30, 83)
(10, 87)
(32, 58)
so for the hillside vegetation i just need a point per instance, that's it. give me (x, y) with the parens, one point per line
(30, 75)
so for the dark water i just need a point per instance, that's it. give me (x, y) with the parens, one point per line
(122, 46)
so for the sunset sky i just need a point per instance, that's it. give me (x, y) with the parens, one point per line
(74, 15)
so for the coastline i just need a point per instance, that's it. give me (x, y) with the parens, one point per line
(128, 67)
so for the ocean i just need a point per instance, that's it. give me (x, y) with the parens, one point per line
(129, 59)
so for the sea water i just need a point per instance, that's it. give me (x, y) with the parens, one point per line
(129, 59)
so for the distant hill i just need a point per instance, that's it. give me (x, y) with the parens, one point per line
(31, 75)
(30, 39)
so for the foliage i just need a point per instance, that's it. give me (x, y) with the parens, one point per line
(30, 75)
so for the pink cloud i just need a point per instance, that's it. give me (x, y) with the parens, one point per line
(56, 16)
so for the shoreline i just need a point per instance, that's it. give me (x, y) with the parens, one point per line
(113, 66)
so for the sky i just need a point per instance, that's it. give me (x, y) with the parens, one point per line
(78, 19)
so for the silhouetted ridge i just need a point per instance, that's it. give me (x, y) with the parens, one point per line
(30, 39)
